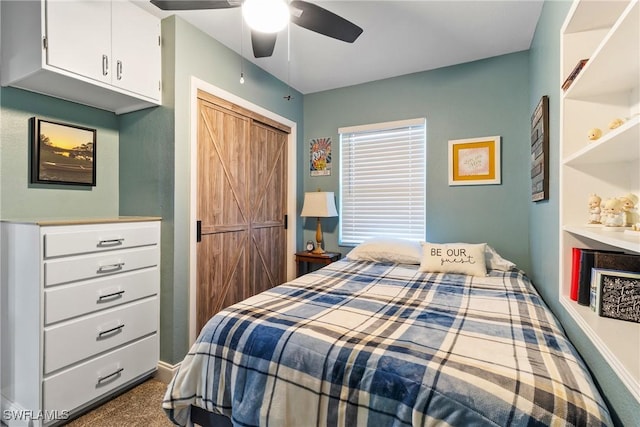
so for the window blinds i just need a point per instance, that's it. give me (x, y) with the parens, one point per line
(383, 181)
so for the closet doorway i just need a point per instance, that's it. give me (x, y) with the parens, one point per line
(241, 204)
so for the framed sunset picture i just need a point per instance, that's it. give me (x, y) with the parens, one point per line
(474, 161)
(62, 153)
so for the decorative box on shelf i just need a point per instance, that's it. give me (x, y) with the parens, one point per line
(616, 294)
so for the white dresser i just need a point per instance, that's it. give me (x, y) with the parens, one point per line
(79, 313)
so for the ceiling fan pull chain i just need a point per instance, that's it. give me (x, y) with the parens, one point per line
(288, 97)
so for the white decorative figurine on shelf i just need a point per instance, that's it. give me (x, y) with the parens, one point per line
(594, 209)
(594, 134)
(616, 123)
(629, 212)
(612, 213)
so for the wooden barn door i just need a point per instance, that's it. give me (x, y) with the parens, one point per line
(241, 206)
(267, 194)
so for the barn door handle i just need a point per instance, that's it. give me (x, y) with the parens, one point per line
(198, 231)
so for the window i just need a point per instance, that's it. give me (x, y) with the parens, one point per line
(383, 181)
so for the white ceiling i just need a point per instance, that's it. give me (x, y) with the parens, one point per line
(400, 37)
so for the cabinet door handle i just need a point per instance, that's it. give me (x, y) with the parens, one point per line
(105, 65)
(111, 242)
(110, 268)
(114, 295)
(116, 329)
(119, 70)
(110, 376)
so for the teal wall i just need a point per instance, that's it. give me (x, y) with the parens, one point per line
(143, 169)
(21, 199)
(544, 217)
(163, 134)
(483, 98)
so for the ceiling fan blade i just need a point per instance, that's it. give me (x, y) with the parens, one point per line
(320, 20)
(263, 43)
(195, 4)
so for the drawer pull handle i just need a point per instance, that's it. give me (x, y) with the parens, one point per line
(109, 331)
(111, 295)
(110, 376)
(111, 267)
(110, 242)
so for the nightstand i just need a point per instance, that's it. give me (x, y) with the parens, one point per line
(305, 258)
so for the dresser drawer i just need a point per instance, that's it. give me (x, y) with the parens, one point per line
(72, 240)
(72, 341)
(72, 388)
(71, 269)
(68, 301)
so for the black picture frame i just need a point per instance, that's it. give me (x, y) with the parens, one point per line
(62, 153)
(617, 294)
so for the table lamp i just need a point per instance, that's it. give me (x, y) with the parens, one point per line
(320, 204)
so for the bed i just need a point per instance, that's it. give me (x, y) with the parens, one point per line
(370, 341)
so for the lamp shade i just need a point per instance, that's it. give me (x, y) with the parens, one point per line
(319, 204)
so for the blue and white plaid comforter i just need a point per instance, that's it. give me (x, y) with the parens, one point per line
(370, 344)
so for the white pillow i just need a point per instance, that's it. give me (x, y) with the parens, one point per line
(495, 262)
(382, 249)
(463, 258)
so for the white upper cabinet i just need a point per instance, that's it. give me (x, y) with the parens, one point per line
(78, 37)
(105, 54)
(135, 45)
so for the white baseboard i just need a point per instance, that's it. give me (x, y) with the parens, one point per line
(165, 372)
(14, 415)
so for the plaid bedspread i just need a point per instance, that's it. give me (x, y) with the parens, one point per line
(370, 344)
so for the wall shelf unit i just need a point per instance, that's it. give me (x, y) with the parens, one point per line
(608, 87)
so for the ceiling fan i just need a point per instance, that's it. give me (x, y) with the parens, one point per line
(306, 15)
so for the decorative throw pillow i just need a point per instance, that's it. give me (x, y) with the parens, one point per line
(463, 258)
(382, 249)
(495, 261)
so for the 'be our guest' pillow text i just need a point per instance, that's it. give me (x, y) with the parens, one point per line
(463, 258)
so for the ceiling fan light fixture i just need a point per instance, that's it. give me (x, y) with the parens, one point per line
(266, 16)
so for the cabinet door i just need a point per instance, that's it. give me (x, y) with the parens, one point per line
(136, 49)
(78, 37)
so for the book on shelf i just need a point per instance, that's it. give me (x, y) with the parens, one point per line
(617, 261)
(610, 262)
(575, 273)
(574, 73)
(587, 262)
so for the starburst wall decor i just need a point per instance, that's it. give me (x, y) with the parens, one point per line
(320, 156)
